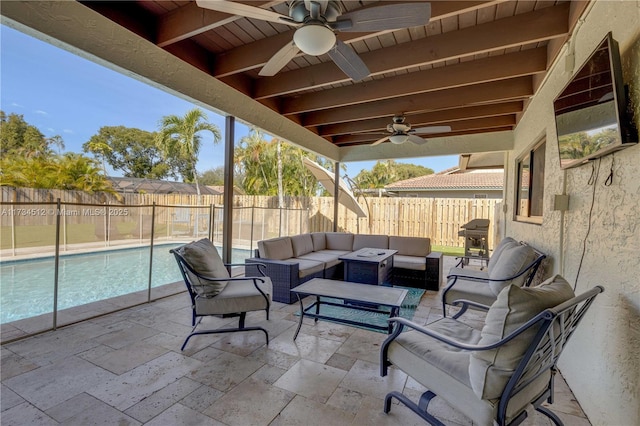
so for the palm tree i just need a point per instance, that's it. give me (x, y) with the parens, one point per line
(178, 138)
(100, 149)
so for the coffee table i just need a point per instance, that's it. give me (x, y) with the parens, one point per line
(349, 293)
(368, 265)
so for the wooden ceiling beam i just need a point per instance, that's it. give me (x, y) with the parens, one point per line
(492, 68)
(424, 119)
(456, 127)
(256, 54)
(190, 20)
(531, 27)
(513, 89)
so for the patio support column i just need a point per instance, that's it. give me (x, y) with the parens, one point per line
(227, 212)
(336, 194)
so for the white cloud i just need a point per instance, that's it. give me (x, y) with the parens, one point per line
(68, 131)
(17, 105)
(51, 129)
(39, 111)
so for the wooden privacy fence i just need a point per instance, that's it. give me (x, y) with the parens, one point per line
(258, 217)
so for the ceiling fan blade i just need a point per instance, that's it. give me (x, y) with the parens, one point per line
(279, 60)
(234, 8)
(388, 17)
(348, 61)
(432, 129)
(416, 139)
(379, 141)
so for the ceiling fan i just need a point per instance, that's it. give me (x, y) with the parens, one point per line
(316, 22)
(402, 132)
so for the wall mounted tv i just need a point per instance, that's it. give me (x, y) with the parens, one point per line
(590, 113)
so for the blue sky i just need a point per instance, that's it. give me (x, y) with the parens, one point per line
(63, 94)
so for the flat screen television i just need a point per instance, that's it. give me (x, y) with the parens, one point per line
(590, 113)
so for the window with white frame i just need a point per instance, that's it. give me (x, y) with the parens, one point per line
(530, 186)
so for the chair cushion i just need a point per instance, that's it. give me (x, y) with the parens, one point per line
(490, 370)
(301, 244)
(319, 241)
(329, 260)
(203, 257)
(237, 296)
(370, 241)
(417, 263)
(506, 242)
(449, 359)
(470, 290)
(276, 248)
(410, 246)
(339, 241)
(307, 267)
(512, 261)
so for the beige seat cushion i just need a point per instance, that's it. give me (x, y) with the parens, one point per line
(276, 248)
(506, 242)
(329, 260)
(301, 244)
(237, 296)
(479, 292)
(490, 370)
(410, 246)
(306, 266)
(339, 241)
(203, 257)
(416, 263)
(449, 359)
(319, 241)
(512, 261)
(370, 241)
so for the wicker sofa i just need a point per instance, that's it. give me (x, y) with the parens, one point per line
(290, 261)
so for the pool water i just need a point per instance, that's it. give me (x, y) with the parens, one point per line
(26, 287)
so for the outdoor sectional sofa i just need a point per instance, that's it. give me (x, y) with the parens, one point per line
(291, 261)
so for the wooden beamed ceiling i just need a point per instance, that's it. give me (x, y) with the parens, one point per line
(473, 67)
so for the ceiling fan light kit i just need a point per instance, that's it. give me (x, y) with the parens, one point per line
(316, 22)
(314, 39)
(398, 139)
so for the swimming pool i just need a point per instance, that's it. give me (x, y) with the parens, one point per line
(26, 286)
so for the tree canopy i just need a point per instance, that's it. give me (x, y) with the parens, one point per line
(132, 151)
(19, 137)
(386, 172)
(257, 161)
(27, 160)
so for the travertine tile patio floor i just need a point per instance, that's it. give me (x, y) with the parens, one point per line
(126, 368)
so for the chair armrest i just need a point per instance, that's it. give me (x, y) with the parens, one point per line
(403, 322)
(261, 267)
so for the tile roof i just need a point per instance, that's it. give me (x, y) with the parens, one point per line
(472, 180)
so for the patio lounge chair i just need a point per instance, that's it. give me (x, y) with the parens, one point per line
(214, 292)
(496, 375)
(511, 263)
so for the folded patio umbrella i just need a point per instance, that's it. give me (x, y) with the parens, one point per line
(326, 178)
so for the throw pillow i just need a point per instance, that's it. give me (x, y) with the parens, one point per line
(203, 257)
(506, 242)
(489, 371)
(512, 261)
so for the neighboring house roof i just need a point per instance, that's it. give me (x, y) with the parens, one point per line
(452, 180)
(155, 186)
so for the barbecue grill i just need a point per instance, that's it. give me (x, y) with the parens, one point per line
(475, 235)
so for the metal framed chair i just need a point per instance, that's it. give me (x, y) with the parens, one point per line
(214, 292)
(496, 375)
(512, 263)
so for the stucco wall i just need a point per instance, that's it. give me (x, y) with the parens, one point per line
(602, 363)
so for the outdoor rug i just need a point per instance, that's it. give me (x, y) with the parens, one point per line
(407, 310)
